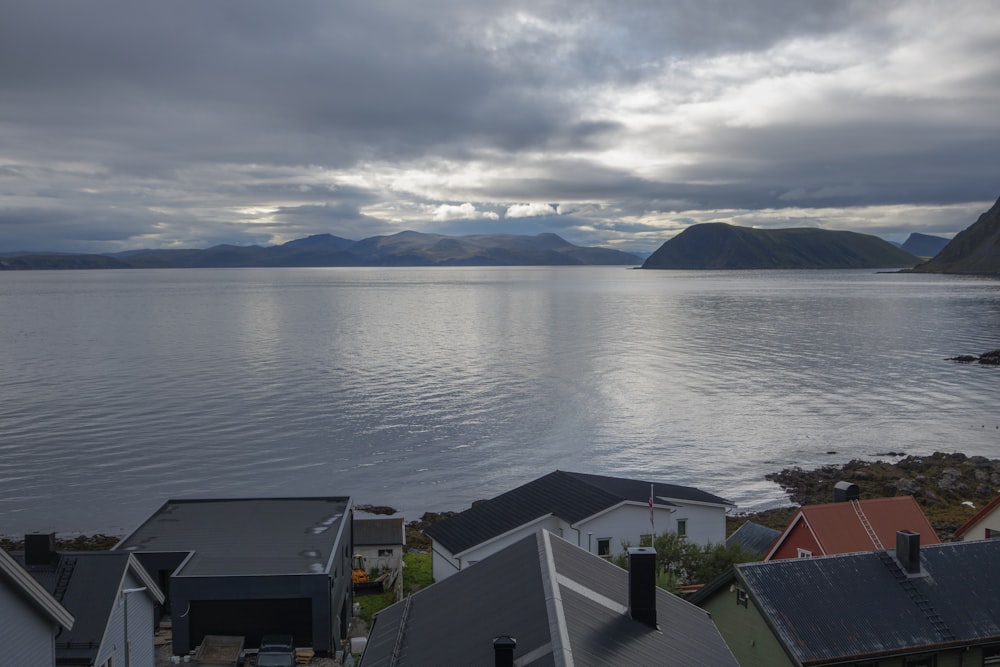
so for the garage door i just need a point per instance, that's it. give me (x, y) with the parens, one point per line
(251, 619)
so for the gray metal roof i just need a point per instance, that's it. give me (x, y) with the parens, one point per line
(753, 537)
(86, 583)
(376, 532)
(559, 602)
(245, 536)
(27, 586)
(853, 606)
(568, 495)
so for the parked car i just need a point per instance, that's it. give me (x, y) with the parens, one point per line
(276, 651)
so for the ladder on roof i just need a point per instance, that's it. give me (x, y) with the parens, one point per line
(918, 598)
(66, 566)
(856, 504)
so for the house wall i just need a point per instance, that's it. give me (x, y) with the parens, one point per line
(27, 637)
(799, 537)
(626, 523)
(140, 628)
(978, 531)
(745, 631)
(318, 589)
(373, 560)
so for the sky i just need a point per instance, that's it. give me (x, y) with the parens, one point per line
(130, 124)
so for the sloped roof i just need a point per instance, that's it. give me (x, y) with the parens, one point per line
(87, 584)
(753, 537)
(838, 527)
(245, 536)
(559, 602)
(372, 532)
(21, 581)
(861, 605)
(978, 516)
(568, 495)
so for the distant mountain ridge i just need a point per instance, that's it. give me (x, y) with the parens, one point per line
(719, 245)
(403, 249)
(924, 245)
(974, 250)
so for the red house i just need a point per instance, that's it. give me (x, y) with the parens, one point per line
(850, 526)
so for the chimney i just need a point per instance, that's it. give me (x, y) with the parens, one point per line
(844, 491)
(40, 549)
(642, 585)
(503, 651)
(908, 551)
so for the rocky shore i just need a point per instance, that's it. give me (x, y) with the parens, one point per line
(949, 487)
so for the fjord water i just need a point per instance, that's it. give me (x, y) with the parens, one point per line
(428, 388)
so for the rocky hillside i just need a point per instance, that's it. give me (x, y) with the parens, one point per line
(941, 483)
(975, 250)
(723, 246)
(924, 245)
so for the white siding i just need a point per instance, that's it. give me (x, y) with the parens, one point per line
(26, 635)
(978, 530)
(140, 629)
(627, 523)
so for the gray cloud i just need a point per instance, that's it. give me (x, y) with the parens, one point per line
(190, 123)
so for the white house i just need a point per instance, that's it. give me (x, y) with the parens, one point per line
(597, 513)
(380, 542)
(110, 595)
(984, 524)
(31, 617)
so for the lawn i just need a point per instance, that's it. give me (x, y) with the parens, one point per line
(416, 575)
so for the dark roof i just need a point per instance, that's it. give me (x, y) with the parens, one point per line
(87, 584)
(372, 532)
(556, 600)
(568, 495)
(245, 536)
(861, 605)
(12, 571)
(753, 537)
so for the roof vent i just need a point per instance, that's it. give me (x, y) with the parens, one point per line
(503, 651)
(908, 551)
(844, 491)
(642, 585)
(40, 549)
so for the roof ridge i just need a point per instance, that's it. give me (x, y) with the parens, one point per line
(562, 651)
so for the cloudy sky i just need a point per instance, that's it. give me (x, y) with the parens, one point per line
(130, 124)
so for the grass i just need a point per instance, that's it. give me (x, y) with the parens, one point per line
(417, 574)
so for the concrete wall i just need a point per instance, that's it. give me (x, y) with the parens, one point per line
(26, 634)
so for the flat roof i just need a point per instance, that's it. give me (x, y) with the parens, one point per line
(245, 536)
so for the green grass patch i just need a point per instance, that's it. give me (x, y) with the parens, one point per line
(417, 574)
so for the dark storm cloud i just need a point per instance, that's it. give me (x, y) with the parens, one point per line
(187, 122)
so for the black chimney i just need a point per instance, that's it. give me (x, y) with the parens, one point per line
(642, 585)
(844, 491)
(908, 551)
(40, 549)
(503, 651)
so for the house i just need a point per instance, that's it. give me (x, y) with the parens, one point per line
(251, 566)
(911, 606)
(850, 524)
(379, 542)
(984, 524)
(110, 595)
(31, 617)
(753, 538)
(597, 513)
(544, 601)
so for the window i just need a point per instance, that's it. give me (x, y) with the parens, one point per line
(604, 547)
(646, 540)
(682, 527)
(922, 661)
(805, 553)
(741, 597)
(385, 553)
(992, 533)
(991, 654)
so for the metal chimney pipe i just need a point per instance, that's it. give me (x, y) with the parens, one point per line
(503, 651)
(642, 585)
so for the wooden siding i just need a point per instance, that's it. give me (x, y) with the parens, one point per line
(26, 636)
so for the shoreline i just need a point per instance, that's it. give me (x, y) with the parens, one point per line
(949, 487)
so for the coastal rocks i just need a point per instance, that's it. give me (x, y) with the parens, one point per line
(944, 484)
(991, 358)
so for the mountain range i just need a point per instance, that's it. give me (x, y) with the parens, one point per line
(924, 245)
(974, 250)
(402, 249)
(719, 245)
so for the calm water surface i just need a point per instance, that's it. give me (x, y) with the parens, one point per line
(427, 388)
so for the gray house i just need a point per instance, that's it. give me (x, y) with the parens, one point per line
(112, 599)
(544, 601)
(251, 566)
(31, 617)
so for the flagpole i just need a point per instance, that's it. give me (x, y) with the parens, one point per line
(652, 525)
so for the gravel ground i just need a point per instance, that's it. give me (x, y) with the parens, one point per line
(164, 654)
